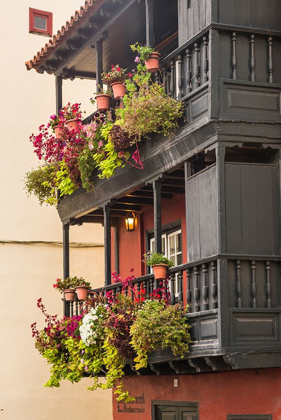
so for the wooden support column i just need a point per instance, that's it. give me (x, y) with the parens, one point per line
(107, 244)
(116, 248)
(149, 22)
(58, 93)
(187, 175)
(65, 227)
(99, 61)
(220, 157)
(157, 215)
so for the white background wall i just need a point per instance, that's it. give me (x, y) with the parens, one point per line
(27, 272)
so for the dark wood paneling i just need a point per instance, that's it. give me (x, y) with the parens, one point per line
(201, 215)
(193, 17)
(248, 101)
(252, 225)
(252, 13)
(249, 327)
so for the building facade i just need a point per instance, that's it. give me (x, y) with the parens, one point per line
(208, 196)
(31, 241)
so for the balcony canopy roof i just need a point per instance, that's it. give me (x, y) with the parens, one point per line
(70, 53)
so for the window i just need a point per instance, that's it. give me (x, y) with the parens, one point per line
(40, 22)
(171, 247)
(174, 410)
(249, 417)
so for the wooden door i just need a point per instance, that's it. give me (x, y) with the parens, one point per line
(173, 412)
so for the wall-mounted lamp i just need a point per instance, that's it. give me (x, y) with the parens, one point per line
(130, 222)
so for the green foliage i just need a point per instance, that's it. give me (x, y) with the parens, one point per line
(142, 50)
(115, 74)
(63, 182)
(42, 183)
(70, 283)
(87, 165)
(154, 258)
(103, 144)
(45, 181)
(147, 109)
(159, 327)
(102, 339)
(111, 162)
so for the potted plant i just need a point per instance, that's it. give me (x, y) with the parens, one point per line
(102, 97)
(71, 115)
(159, 264)
(148, 56)
(116, 78)
(67, 286)
(54, 123)
(82, 288)
(147, 109)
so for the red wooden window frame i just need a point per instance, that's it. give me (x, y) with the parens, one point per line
(43, 14)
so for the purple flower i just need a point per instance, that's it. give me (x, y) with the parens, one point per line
(53, 117)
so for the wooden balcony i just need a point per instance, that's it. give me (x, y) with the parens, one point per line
(234, 309)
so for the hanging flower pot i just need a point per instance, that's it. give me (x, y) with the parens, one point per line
(69, 295)
(160, 271)
(103, 102)
(72, 124)
(82, 292)
(58, 132)
(152, 63)
(119, 90)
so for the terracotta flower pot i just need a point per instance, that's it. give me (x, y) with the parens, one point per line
(160, 271)
(69, 294)
(58, 132)
(152, 63)
(82, 292)
(119, 90)
(72, 124)
(103, 102)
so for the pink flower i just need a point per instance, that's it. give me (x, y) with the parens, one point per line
(91, 145)
(100, 143)
(53, 117)
(118, 69)
(137, 59)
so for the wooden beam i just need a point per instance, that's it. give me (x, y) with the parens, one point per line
(58, 93)
(157, 215)
(174, 182)
(107, 244)
(65, 227)
(126, 207)
(149, 22)
(99, 62)
(136, 200)
(116, 248)
(148, 194)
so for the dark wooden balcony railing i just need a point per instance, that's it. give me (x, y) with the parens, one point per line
(251, 282)
(186, 68)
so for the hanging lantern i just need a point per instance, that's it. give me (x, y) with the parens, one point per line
(130, 222)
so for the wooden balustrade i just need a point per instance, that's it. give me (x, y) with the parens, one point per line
(259, 45)
(187, 68)
(251, 283)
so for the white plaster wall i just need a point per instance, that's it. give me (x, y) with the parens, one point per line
(28, 272)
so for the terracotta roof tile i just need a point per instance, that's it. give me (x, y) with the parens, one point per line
(80, 16)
